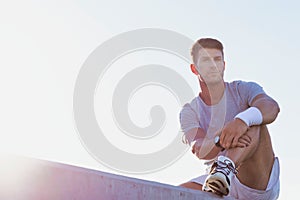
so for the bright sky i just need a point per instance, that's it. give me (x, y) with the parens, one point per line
(45, 43)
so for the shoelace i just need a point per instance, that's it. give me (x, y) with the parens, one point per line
(225, 166)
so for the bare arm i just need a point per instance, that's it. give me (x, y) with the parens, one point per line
(204, 147)
(268, 107)
(236, 128)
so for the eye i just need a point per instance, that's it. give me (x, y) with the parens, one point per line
(218, 59)
(205, 59)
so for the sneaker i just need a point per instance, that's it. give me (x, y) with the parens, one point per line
(218, 180)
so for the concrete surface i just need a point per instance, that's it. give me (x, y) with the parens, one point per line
(32, 179)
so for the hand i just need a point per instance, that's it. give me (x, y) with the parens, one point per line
(243, 141)
(233, 134)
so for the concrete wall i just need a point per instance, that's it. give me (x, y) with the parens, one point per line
(31, 179)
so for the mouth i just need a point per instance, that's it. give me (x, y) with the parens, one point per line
(214, 73)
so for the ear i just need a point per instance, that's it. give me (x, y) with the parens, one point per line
(194, 70)
(224, 64)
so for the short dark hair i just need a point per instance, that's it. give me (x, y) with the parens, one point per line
(208, 43)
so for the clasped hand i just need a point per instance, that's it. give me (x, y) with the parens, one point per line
(234, 134)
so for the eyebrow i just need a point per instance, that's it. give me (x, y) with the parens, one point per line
(218, 57)
(205, 57)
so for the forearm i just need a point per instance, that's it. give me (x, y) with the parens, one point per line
(263, 110)
(205, 148)
(202, 146)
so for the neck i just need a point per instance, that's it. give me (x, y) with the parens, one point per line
(212, 94)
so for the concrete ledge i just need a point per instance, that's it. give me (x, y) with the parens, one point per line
(32, 179)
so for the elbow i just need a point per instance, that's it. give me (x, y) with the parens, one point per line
(276, 110)
(273, 113)
(203, 153)
(200, 156)
(196, 150)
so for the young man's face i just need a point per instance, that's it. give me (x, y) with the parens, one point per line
(210, 65)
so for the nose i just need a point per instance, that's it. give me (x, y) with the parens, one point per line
(213, 67)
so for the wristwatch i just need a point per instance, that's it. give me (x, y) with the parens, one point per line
(217, 142)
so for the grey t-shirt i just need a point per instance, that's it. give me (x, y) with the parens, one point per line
(237, 97)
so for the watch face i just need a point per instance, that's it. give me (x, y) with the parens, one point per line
(217, 139)
(217, 142)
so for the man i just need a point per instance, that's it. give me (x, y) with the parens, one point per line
(226, 126)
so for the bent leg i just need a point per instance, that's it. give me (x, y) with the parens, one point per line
(254, 163)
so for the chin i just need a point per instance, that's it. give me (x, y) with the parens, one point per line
(214, 81)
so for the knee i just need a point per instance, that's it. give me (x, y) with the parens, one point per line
(254, 129)
(257, 133)
(254, 133)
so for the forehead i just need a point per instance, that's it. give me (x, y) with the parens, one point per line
(206, 52)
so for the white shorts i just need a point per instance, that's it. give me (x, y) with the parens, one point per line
(240, 191)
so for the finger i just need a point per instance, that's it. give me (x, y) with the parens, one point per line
(235, 141)
(228, 142)
(248, 139)
(241, 145)
(244, 141)
(223, 140)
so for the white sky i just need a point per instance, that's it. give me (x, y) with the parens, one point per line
(44, 43)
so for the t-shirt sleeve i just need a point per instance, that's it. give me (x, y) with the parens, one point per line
(188, 118)
(249, 90)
